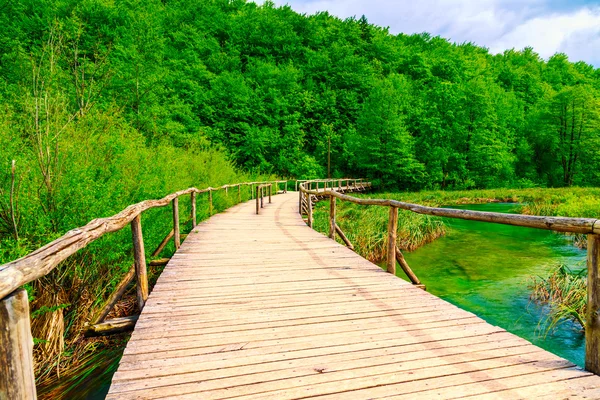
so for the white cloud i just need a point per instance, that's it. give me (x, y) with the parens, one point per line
(576, 34)
(496, 24)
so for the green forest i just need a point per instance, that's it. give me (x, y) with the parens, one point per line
(106, 103)
(280, 92)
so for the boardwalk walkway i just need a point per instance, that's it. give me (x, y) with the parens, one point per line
(263, 307)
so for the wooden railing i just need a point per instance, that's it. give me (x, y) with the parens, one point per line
(588, 226)
(260, 194)
(16, 343)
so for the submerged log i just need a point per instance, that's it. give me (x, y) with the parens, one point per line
(112, 326)
(159, 262)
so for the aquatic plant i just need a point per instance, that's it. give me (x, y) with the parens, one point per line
(564, 291)
(366, 227)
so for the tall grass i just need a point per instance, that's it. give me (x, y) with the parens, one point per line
(565, 293)
(366, 227)
(99, 165)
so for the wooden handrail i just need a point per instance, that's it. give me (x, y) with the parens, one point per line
(558, 224)
(43, 260)
(589, 226)
(20, 377)
(260, 195)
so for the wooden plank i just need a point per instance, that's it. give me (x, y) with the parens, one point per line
(446, 344)
(196, 383)
(240, 355)
(112, 326)
(298, 315)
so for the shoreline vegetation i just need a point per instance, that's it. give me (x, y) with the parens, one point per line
(563, 291)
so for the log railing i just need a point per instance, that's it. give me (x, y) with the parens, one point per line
(588, 226)
(16, 363)
(260, 194)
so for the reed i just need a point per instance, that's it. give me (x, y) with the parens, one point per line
(564, 292)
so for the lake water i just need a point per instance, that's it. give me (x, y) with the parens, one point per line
(485, 268)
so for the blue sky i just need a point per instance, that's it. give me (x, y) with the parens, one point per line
(549, 26)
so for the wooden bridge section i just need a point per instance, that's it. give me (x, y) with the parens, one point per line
(263, 307)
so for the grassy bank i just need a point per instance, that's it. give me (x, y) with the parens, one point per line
(366, 226)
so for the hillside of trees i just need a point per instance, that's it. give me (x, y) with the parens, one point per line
(280, 92)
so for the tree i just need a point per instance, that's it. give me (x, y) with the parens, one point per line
(571, 125)
(384, 148)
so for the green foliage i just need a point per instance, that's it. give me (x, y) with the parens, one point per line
(301, 95)
(564, 292)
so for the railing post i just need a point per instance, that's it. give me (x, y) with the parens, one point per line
(331, 216)
(17, 380)
(391, 250)
(176, 231)
(285, 187)
(300, 202)
(309, 210)
(257, 200)
(262, 195)
(210, 202)
(139, 258)
(193, 196)
(270, 192)
(592, 320)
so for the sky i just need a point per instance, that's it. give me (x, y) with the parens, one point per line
(549, 26)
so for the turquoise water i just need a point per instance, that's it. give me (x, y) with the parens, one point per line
(485, 268)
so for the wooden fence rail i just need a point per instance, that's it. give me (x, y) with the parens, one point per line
(311, 190)
(260, 194)
(16, 367)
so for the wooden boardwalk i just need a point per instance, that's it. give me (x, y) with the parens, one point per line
(263, 307)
